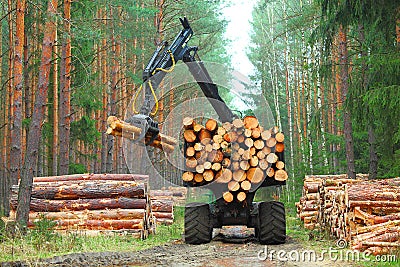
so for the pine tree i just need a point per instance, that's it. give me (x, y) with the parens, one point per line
(35, 127)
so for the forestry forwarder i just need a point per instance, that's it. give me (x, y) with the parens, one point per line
(268, 218)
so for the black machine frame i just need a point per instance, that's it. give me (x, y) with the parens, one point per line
(221, 213)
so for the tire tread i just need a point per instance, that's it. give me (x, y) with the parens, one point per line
(272, 223)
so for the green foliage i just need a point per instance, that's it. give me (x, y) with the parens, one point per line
(76, 168)
(374, 80)
(383, 100)
(26, 122)
(85, 130)
(361, 150)
(42, 234)
(306, 30)
(389, 166)
(208, 25)
(248, 112)
(374, 16)
(47, 130)
(3, 234)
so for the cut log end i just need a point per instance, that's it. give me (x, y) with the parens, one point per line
(281, 175)
(280, 137)
(187, 176)
(250, 122)
(241, 196)
(255, 175)
(211, 125)
(188, 122)
(228, 197)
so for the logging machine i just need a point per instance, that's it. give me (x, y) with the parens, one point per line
(268, 218)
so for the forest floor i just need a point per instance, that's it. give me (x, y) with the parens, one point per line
(233, 246)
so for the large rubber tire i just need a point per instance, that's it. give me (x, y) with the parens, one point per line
(198, 227)
(272, 223)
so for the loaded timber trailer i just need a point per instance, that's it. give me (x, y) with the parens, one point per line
(267, 218)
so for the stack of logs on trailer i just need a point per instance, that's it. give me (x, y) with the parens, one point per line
(240, 154)
(365, 213)
(94, 202)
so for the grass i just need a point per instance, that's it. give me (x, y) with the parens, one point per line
(43, 242)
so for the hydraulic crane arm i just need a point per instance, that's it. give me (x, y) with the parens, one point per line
(209, 88)
(162, 62)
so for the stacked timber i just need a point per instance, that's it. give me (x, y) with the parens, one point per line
(308, 208)
(373, 209)
(163, 202)
(179, 194)
(316, 202)
(365, 213)
(117, 127)
(103, 202)
(164, 212)
(240, 155)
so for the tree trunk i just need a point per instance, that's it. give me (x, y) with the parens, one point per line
(320, 98)
(27, 87)
(7, 106)
(112, 103)
(398, 32)
(334, 96)
(65, 94)
(273, 70)
(373, 156)
(16, 128)
(297, 117)
(347, 124)
(289, 101)
(35, 127)
(4, 190)
(104, 77)
(54, 146)
(98, 118)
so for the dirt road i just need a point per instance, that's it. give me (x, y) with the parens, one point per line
(230, 247)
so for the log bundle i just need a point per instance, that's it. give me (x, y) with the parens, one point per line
(103, 202)
(238, 155)
(164, 214)
(179, 194)
(163, 202)
(365, 213)
(117, 127)
(316, 201)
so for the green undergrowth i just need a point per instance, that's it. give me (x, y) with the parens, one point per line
(43, 242)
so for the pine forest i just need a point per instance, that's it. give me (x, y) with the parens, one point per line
(329, 70)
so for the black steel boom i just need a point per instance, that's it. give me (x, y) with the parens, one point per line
(164, 58)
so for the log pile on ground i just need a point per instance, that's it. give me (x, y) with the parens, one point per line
(103, 202)
(316, 201)
(117, 127)
(179, 194)
(240, 155)
(164, 210)
(163, 202)
(365, 213)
